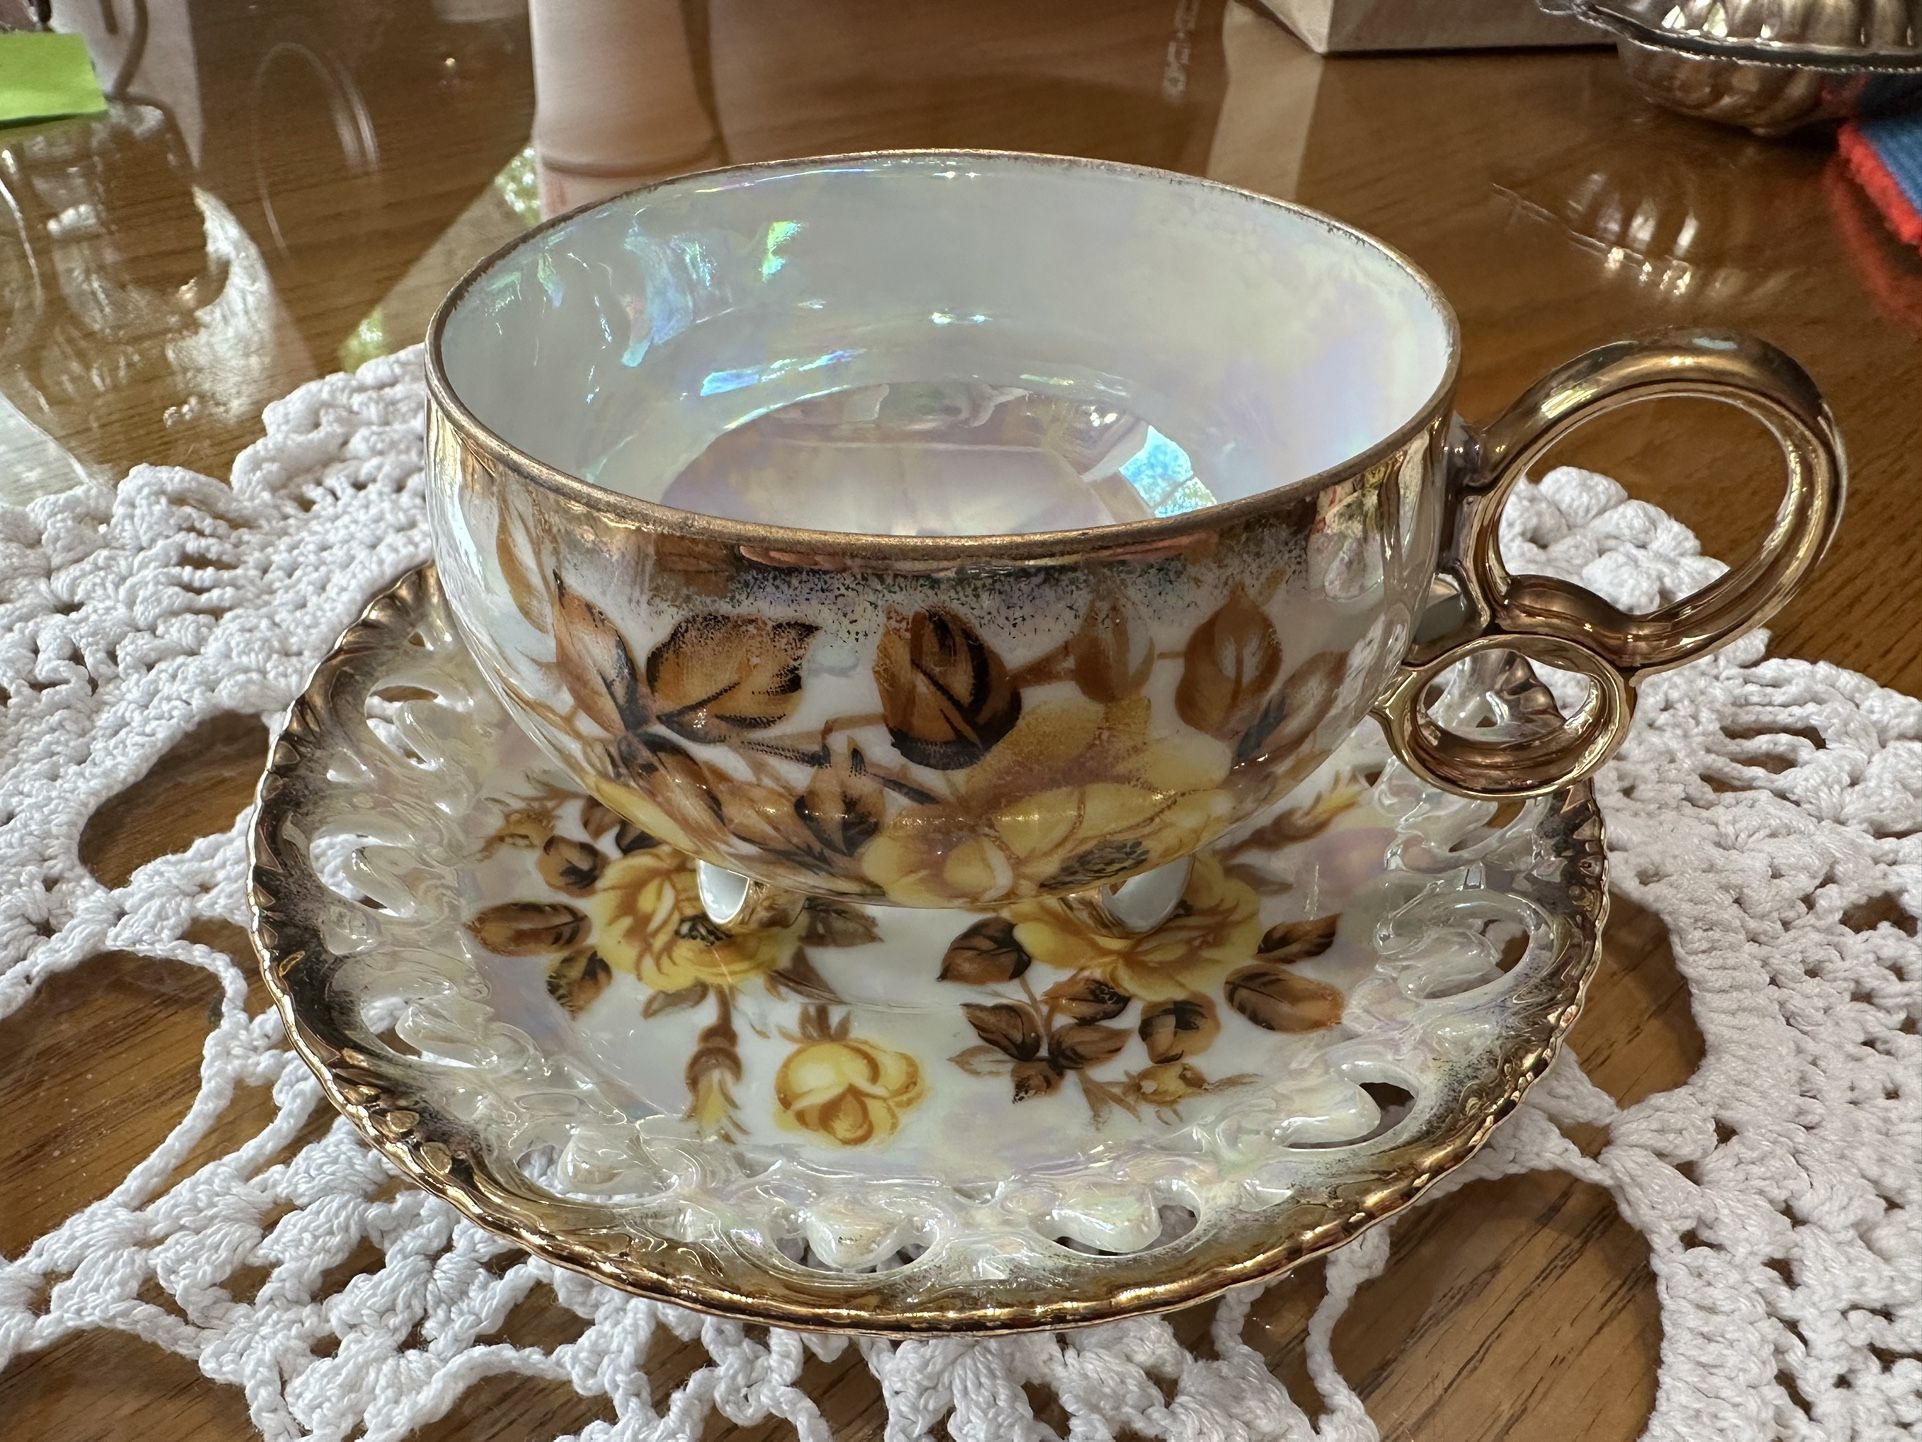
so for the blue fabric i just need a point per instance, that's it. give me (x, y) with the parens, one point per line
(1897, 140)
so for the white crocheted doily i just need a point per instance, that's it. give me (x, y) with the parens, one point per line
(1766, 810)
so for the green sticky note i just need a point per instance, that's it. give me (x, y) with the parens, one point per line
(44, 75)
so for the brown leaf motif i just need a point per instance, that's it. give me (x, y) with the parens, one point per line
(718, 677)
(660, 1003)
(1296, 824)
(816, 1023)
(985, 954)
(1229, 668)
(1276, 999)
(982, 1060)
(1111, 655)
(799, 977)
(1034, 1079)
(1006, 1027)
(1086, 997)
(597, 820)
(1287, 942)
(569, 865)
(835, 923)
(842, 806)
(676, 782)
(514, 554)
(528, 928)
(577, 980)
(1180, 1027)
(1072, 1048)
(629, 838)
(1292, 715)
(945, 694)
(524, 827)
(712, 1069)
(1095, 864)
(595, 664)
(765, 817)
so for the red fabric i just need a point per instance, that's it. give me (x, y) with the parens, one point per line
(1865, 164)
(1891, 275)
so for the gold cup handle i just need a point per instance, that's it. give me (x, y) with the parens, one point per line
(1559, 624)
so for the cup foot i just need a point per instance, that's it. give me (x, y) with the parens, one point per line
(1136, 906)
(740, 903)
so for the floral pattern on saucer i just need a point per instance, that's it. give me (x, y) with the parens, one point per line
(898, 1120)
(1027, 1032)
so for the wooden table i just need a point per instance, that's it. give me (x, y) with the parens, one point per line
(342, 165)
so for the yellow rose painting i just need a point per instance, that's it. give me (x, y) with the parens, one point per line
(1216, 927)
(1070, 798)
(648, 921)
(847, 1090)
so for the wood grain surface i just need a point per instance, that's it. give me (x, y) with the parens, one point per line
(339, 198)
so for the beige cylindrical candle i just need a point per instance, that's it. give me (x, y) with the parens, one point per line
(615, 99)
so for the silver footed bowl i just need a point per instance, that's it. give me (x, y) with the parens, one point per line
(1769, 66)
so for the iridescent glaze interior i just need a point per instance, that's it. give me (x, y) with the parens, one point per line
(941, 344)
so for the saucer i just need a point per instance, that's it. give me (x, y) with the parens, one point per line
(889, 1120)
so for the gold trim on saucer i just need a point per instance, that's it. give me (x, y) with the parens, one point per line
(304, 931)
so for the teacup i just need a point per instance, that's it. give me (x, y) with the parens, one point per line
(963, 530)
